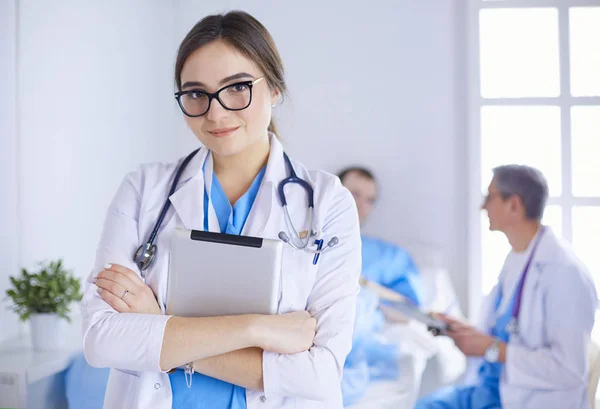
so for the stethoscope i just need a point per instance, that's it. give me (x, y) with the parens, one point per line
(145, 254)
(293, 178)
(513, 325)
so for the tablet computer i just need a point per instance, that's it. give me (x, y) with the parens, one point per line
(215, 274)
(409, 310)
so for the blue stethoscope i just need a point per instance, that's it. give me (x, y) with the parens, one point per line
(513, 326)
(145, 254)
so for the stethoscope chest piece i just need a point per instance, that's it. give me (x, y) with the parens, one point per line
(144, 255)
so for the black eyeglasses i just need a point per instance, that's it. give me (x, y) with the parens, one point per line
(234, 97)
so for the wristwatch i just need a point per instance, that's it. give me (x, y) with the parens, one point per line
(492, 353)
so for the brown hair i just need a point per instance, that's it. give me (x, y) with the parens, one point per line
(246, 35)
(362, 171)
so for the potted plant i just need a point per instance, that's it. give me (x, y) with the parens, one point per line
(44, 297)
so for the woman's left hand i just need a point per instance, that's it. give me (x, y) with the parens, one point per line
(125, 291)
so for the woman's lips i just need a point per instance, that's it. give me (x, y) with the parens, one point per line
(222, 132)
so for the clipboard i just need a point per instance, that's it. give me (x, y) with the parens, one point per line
(435, 326)
(395, 303)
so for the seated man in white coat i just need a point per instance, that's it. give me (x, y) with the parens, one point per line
(530, 349)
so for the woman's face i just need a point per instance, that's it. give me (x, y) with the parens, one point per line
(212, 67)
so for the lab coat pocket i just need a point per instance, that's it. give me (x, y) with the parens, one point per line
(122, 389)
(298, 277)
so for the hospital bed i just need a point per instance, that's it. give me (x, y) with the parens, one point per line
(426, 363)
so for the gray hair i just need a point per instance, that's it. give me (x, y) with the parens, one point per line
(526, 182)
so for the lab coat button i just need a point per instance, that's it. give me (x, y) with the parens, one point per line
(157, 386)
(263, 399)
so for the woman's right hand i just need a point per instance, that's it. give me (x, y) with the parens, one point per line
(287, 333)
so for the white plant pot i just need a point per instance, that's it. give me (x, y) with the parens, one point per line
(48, 331)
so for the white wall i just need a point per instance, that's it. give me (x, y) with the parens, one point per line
(369, 84)
(375, 84)
(9, 220)
(95, 99)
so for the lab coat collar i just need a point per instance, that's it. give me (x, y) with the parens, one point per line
(543, 256)
(544, 253)
(213, 220)
(194, 168)
(276, 170)
(266, 197)
(188, 200)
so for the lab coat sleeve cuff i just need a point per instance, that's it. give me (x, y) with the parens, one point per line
(311, 375)
(155, 341)
(271, 379)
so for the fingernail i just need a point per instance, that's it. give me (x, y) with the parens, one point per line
(107, 266)
(94, 280)
(100, 290)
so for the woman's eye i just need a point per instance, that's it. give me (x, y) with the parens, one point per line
(239, 87)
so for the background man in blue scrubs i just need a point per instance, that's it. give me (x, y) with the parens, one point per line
(373, 357)
(382, 262)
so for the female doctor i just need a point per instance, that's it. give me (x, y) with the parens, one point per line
(530, 349)
(229, 75)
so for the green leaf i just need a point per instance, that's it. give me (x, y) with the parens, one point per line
(49, 290)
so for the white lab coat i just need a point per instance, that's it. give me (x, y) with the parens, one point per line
(328, 290)
(546, 363)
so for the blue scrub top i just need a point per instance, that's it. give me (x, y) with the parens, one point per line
(489, 373)
(373, 358)
(207, 392)
(392, 267)
(486, 393)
